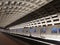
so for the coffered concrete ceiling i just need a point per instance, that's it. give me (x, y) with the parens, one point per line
(12, 10)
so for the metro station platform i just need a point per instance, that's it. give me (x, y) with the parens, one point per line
(12, 39)
(8, 40)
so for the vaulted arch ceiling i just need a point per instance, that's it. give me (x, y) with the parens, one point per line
(12, 10)
(46, 10)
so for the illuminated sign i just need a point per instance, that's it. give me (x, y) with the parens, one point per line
(59, 30)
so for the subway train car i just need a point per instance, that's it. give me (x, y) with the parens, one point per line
(13, 31)
(20, 31)
(45, 32)
(26, 31)
(34, 32)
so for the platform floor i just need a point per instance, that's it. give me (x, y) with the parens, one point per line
(6, 40)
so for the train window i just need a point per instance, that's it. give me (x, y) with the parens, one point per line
(54, 30)
(19, 30)
(22, 30)
(33, 30)
(43, 30)
(27, 31)
(59, 30)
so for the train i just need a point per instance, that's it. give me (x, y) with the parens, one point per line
(45, 32)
